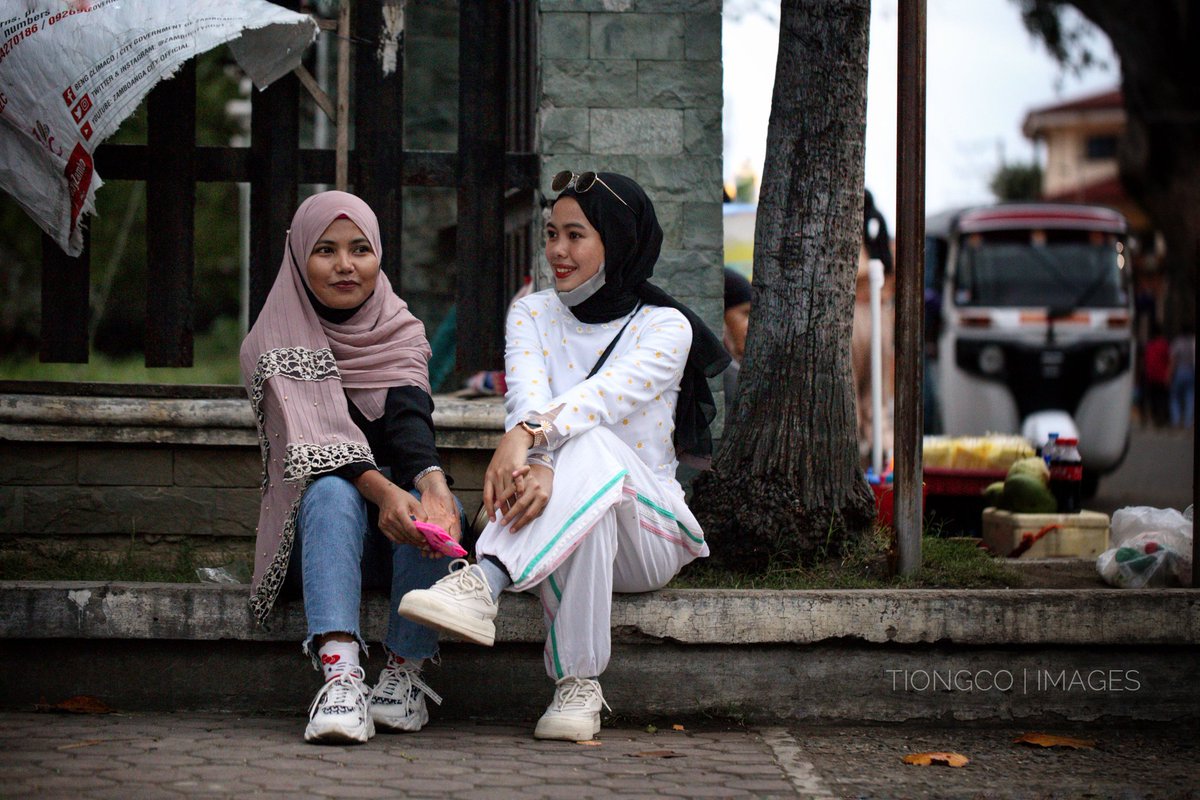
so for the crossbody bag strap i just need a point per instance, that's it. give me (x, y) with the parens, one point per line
(608, 350)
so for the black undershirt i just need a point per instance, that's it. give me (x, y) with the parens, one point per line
(402, 438)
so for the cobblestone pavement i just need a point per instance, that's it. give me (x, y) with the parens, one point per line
(222, 755)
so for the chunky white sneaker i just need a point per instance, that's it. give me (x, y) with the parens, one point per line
(459, 604)
(574, 715)
(338, 714)
(397, 702)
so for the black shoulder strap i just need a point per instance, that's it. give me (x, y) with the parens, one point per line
(608, 350)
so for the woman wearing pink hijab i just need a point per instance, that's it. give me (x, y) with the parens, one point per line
(337, 371)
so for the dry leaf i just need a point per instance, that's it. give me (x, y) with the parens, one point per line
(945, 759)
(84, 743)
(657, 754)
(591, 743)
(79, 704)
(676, 727)
(1050, 740)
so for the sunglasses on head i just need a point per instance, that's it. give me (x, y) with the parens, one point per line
(582, 182)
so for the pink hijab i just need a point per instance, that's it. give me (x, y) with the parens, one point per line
(299, 370)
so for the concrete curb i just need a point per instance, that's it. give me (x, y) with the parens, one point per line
(200, 612)
(1049, 654)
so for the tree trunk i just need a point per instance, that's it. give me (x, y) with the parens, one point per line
(786, 483)
(1160, 151)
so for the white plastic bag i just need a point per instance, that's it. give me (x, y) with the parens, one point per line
(72, 70)
(1151, 547)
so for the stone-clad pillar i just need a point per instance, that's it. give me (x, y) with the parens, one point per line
(634, 86)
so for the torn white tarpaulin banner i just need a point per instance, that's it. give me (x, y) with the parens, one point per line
(71, 72)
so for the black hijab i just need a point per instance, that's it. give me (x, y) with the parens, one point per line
(632, 240)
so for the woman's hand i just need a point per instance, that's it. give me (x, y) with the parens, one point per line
(499, 487)
(397, 508)
(440, 506)
(534, 484)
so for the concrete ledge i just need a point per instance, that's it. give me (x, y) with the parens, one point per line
(199, 420)
(691, 617)
(1044, 655)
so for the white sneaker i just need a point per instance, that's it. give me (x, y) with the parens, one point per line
(459, 604)
(397, 702)
(338, 714)
(574, 714)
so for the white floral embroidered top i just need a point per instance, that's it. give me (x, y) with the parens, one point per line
(548, 354)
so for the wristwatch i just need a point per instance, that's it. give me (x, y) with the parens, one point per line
(537, 430)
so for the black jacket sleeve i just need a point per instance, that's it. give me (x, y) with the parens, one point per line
(408, 433)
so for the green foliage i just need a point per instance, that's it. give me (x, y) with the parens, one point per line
(1017, 182)
(216, 361)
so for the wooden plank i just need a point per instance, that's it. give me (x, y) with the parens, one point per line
(342, 111)
(482, 118)
(274, 175)
(910, 282)
(379, 121)
(170, 219)
(66, 286)
(130, 162)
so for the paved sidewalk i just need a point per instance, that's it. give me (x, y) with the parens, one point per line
(222, 755)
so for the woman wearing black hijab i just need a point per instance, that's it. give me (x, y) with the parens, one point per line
(607, 388)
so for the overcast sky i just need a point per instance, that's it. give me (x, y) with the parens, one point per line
(984, 73)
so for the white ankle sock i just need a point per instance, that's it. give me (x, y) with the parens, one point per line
(337, 657)
(497, 578)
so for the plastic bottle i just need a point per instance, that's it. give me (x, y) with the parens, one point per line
(1047, 452)
(1066, 476)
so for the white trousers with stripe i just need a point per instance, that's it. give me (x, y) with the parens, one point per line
(610, 526)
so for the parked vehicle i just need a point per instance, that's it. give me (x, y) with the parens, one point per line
(1035, 325)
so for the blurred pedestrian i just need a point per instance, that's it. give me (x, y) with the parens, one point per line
(737, 322)
(1156, 375)
(1183, 379)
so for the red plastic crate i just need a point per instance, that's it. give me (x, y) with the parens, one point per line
(885, 501)
(960, 482)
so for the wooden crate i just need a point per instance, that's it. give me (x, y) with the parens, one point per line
(1082, 535)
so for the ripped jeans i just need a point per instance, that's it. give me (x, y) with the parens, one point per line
(340, 552)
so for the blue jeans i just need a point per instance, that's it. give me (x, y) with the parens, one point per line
(341, 552)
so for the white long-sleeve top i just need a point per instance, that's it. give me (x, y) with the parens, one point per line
(548, 354)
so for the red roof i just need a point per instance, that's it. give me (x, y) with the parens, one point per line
(1107, 192)
(1110, 99)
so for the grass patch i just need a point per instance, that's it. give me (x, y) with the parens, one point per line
(946, 564)
(64, 564)
(215, 360)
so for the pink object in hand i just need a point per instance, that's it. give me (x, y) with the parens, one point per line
(439, 540)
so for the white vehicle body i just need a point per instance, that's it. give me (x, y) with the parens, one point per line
(1036, 327)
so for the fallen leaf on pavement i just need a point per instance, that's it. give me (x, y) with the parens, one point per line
(676, 727)
(591, 743)
(651, 729)
(84, 743)
(1050, 740)
(657, 754)
(79, 704)
(945, 759)
(89, 743)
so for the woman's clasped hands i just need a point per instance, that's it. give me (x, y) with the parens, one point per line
(517, 491)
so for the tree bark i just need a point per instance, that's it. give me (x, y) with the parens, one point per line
(1159, 154)
(786, 484)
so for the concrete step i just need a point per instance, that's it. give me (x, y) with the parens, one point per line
(757, 655)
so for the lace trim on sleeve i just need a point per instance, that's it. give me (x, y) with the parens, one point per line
(299, 363)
